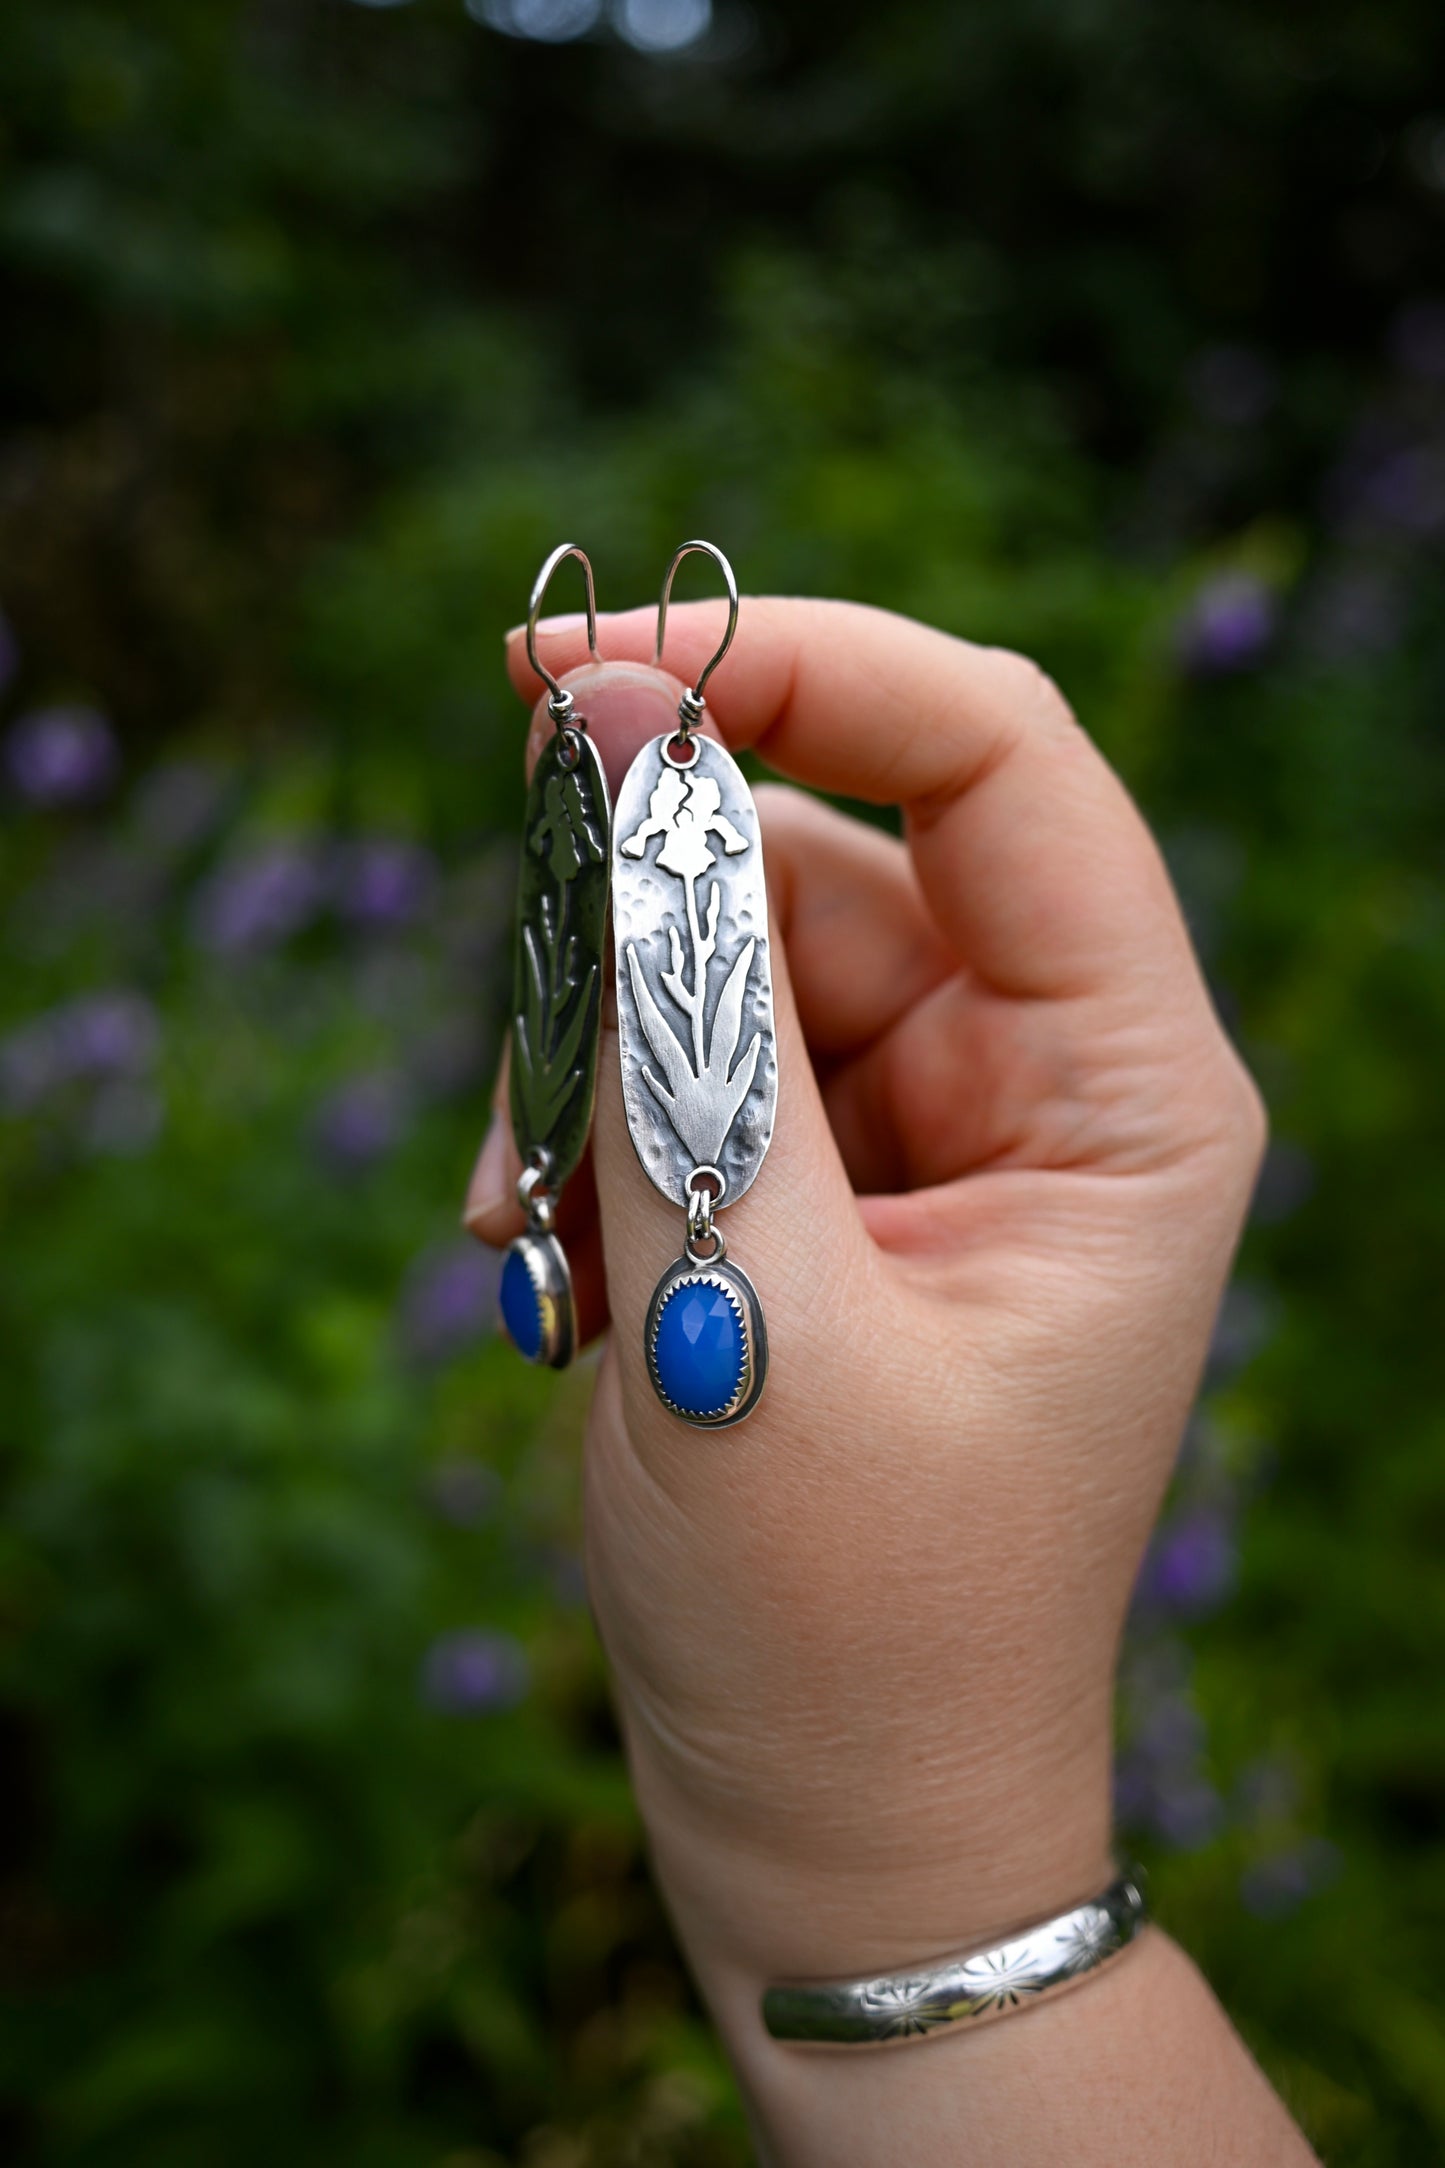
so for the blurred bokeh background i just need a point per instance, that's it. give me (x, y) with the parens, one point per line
(1113, 331)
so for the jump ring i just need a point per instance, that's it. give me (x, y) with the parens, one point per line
(532, 1193)
(715, 1256)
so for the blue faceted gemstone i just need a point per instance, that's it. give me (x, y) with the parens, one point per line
(699, 1349)
(521, 1310)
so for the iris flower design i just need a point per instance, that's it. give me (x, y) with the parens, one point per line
(700, 1089)
(566, 831)
(685, 809)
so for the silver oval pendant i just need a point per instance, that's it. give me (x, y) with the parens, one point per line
(707, 1345)
(535, 1300)
(694, 984)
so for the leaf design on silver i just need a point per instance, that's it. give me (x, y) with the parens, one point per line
(547, 1072)
(701, 1105)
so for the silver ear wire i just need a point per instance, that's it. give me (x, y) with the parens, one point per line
(690, 707)
(560, 702)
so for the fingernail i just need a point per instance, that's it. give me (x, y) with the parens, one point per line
(490, 1188)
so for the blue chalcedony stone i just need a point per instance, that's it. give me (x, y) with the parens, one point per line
(699, 1349)
(521, 1311)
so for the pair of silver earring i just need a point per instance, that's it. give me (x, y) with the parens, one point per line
(681, 866)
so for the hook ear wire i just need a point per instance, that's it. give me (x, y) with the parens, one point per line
(690, 707)
(559, 702)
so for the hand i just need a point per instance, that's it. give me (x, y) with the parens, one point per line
(864, 1645)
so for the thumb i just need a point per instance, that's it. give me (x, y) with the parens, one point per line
(798, 1212)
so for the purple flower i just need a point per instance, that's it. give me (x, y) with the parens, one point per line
(382, 883)
(361, 1120)
(1133, 1791)
(1161, 1779)
(463, 1492)
(1228, 625)
(110, 1034)
(1192, 1564)
(1186, 1812)
(473, 1673)
(1280, 1884)
(1176, 1803)
(1171, 1730)
(258, 899)
(449, 1301)
(62, 756)
(106, 1033)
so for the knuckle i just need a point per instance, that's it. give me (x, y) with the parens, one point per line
(1254, 1120)
(1038, 700)
(1241, 1116)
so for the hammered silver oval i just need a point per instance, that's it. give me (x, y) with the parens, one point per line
(694, 981)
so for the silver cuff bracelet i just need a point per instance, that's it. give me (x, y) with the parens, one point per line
(1030, 1967)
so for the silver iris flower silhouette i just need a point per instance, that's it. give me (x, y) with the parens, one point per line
(703, 1083)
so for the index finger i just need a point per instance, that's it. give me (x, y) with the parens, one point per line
(1030, 852)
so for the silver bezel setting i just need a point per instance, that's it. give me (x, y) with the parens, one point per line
(741, 1293)
(551, 1278)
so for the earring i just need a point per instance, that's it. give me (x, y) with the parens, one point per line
(695, 1019)
(556, 995)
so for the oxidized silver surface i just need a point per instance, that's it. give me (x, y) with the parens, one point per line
(694, 984)
(557, 960)
(743, 1296)
(962, 1990)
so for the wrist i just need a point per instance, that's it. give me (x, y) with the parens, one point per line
(1136, 2066)
(831, 1882)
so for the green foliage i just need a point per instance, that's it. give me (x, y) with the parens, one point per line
(1076, 328)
